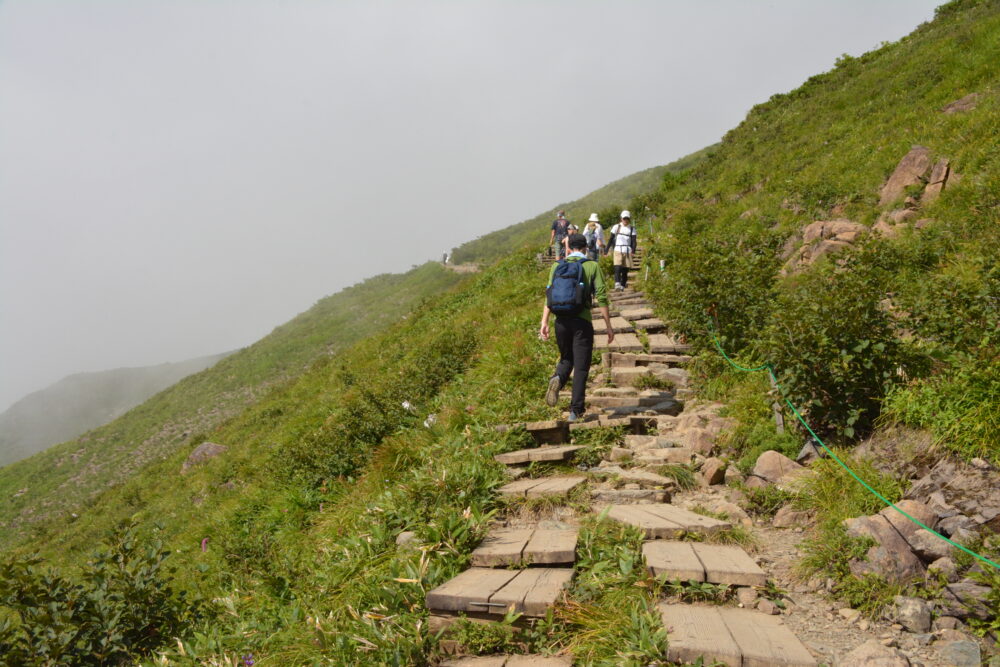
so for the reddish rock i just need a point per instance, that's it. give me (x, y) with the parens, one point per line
(787, 517)
(890, 557)
(873, 654)
(911, 170)
(713, 471)
(202, 453)
(920, 511)
(967, 103)
(772, 466)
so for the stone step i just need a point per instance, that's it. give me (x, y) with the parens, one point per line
(643, 442)
(629, 496)
(526, 546)
(633, 425)
(554, 453)
(618, 325)
(714, 563)
(663, 343)
(666, 456)
(541, 487)
(530, 592)
(627, 294)
(650, 324)
(627, 377)
(509, 661)
(633, 314)
(613, 391)
(622, 401)
(551, 432)
(734, 637)
(644, 478)
(618, 360)
(625, 342)
(665, 521)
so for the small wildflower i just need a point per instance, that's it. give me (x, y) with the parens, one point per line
(248, 660)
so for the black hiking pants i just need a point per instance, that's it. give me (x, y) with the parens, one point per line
(621, 275)
(575, 337)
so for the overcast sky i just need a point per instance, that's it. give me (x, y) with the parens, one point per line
(178, 178)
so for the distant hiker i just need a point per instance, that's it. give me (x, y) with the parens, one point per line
(574, 283)
(594, 234)
(560, 232)
(623, 241)
(444, 258)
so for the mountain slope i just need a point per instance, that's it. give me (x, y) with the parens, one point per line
(292, 530)
(83, 401)
(60, 480)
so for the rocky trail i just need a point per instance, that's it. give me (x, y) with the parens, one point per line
(770, 617)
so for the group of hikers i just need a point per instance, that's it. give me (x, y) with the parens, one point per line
(621, 241)
(575, 286)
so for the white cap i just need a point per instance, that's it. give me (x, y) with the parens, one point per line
(626, 214)
(593, 218)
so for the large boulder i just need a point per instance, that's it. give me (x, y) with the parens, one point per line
(937, 181)
(773, 466)
(202, 453)
(820, 238)
(890, 557)
(873, 654)
(911, 170)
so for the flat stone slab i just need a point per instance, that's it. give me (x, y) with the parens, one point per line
(509, 661)
(530, 592)
(659, 521)
(642, 442)
(625, 342)
(628, 360)
(632, 314)
(629, 496)
(541, 487)
(665, 456)
(664, 344)
(557, 453)
(553, 431)
(626, 401)
(635, 425)
(650, 324)
(618, 325)
(714, 563)
(526, 546)
(734, 637)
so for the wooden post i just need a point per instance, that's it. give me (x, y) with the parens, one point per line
(779, 417)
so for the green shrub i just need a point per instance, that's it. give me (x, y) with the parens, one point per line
(833, 348)
(120, 609)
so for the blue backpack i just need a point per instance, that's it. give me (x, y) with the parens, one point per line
(569, 293)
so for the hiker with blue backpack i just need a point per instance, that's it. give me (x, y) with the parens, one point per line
(575, 283)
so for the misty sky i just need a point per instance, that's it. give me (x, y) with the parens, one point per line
(178, 178)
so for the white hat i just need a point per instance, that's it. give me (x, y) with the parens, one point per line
(593, 218)
(626, 214)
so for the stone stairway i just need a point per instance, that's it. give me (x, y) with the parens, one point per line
(549, 257)
(528, 568)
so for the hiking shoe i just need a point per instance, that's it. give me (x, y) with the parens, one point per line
(573, 417)
(552, 395)
(618, 287)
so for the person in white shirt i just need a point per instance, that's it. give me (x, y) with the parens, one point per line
(594, 234)
(623, 241)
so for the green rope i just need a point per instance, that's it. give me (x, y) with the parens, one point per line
(829, 451)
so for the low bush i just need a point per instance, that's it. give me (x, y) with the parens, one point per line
(121, 607)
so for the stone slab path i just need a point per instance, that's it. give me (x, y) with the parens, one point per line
(527, 546)
(734, 637)
(556, 453)
(509, 661)
(714, 563)
(663, 344)
(530, 592)
(541, 487)
(659, 521)
(625, 342)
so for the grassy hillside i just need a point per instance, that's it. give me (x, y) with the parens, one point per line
(289, 536)
(909, 321)
(64, 478)
(607, 202)
(83, 401)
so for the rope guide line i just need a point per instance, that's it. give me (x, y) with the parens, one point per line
(770, 370)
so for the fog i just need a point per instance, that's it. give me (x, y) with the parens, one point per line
(177, 178)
